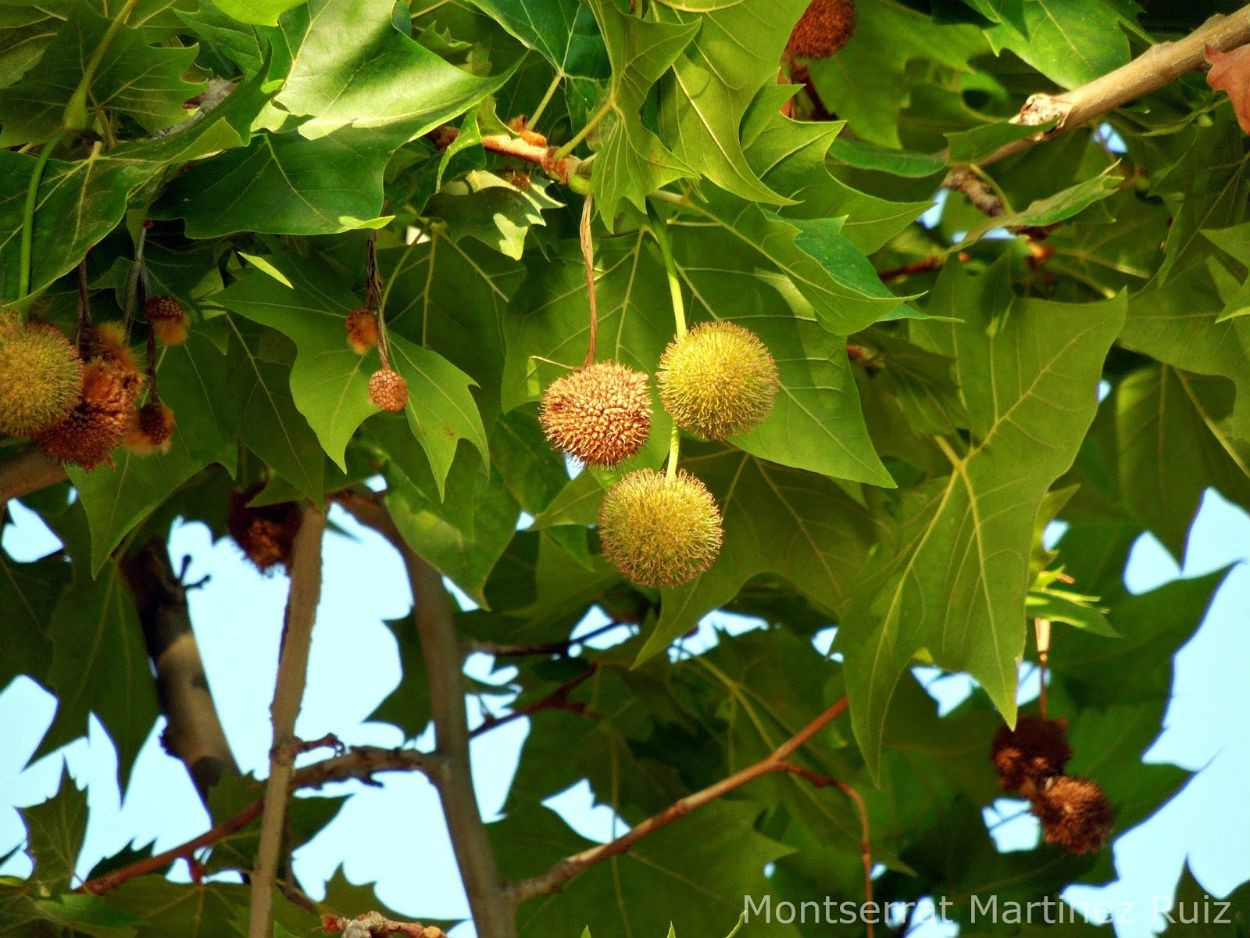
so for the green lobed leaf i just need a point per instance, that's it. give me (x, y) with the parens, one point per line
(353, 68)
(54, 832)
(952, 579)
(630, 160)
(100, 665)
(141, 81)
(329, 382)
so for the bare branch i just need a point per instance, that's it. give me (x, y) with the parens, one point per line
(360, 762)
(193, 733)
(1158, 66)
(301, 612)
(500, 650)
(488, 899)
(27, 473)
(376, 925)
(558, 699)
(776, 761)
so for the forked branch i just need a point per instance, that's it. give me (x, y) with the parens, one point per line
(776, 761)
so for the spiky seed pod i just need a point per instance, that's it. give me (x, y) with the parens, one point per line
(40, 377)
(660, 531)
(89, 433)
(1075, 814)
(1034, 751)
(151, 429)
(600, 414)
(266, 534)
(362, 330)
(168, 320)
(717, 380)
(823, 29)
(388, 390)
(108, 340)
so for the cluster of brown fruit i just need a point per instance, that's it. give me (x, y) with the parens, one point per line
(387, 387)
(823, 29)
(1074, 812)
(79, 404)
(265, 533)
(717, 380)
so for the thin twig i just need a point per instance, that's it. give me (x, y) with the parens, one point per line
(541, 648)
(1158, 66)
(558, 699)
(588, 259)
(360, 763)
(776, 761)
(301, 613)
(1041, 632)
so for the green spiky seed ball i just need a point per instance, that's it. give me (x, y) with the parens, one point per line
(717, 380)
(660, 531)
(40, 377)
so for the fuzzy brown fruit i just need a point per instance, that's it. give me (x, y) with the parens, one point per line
(109, 341)
(717, 380)
(823, 29)
(97, 424)
(362, 330)
(388, 390)
(266, 534)
(600, 414)
(1075, 814)
(151, 429)
(660, 531)
(40, 377)
(168, 320)
(1034, 751)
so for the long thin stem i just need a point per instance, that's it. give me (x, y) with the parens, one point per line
(288, 694)
(776, 761)
(76, 110)
(28, 217)
(542, 105)
(660, 231)
(586, 131)
(588, 259)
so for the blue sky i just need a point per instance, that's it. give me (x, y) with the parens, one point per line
(237, 617)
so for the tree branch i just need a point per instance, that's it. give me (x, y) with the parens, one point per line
(193, 733)
(500, 650)
(776, 761)
(1158, 66)
(359, 762)
(558, 699)
(301, 613)
(488, 899)
(28, 472)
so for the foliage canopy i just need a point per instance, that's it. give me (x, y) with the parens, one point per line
(1064, 338)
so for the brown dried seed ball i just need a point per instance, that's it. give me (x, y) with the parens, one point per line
(1075, 814)
(151, 429)
(1035, 750)
(362, 330)
(266, 534)
(388, 390)
(96, 425)
(599, 415)
(717, 380)
(168, 320)
(660, 531)
(108, 340)
(40, 377)
(823, 29)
